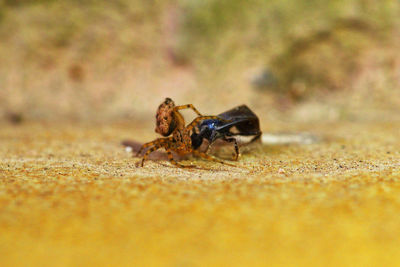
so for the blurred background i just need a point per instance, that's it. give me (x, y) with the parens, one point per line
(304, 60)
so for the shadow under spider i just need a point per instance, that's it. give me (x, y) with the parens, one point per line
(159, 156)
(191, 167)
(155, 156)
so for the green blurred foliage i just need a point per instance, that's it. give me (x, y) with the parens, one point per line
(306, 45)
(19, 3)
(215, 30)
(325, 60)
(259, 23)
(87, 28)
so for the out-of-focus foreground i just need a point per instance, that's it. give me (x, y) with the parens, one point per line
(78, 77)
(70, 196)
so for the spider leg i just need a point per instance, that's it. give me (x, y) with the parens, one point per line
(255, 138)
(156, 142)
(207, 148)
(198, 119)
(171, 159)
(208, 157)
(152, 149)
(188, 106)
(233, 140)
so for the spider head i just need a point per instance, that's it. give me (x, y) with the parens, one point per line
(165, 121)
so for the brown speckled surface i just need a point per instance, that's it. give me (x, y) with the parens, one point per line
(71, 195)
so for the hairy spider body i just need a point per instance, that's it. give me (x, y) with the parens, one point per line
(170, 121)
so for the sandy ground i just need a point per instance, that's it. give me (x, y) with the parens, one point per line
(71, 195)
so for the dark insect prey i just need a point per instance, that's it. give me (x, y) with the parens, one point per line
(239, 121)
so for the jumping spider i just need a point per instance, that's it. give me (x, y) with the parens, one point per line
(170, 121)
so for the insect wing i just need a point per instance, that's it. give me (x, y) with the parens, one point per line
(237, 113)
(243, 119)
(231, 123)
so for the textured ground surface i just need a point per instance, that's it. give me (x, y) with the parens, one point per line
(71, 195)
